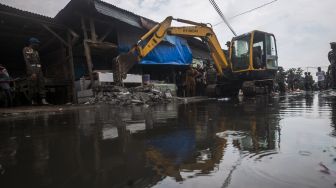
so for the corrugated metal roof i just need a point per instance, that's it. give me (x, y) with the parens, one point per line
(117, 13)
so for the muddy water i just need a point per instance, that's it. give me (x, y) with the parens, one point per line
(286, 141)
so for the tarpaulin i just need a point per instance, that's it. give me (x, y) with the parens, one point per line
(172, 50)
(179, 145)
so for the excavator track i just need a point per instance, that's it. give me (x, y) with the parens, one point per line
(257, 87)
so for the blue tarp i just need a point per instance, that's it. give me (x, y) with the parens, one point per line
(177, 145)
(172, 50)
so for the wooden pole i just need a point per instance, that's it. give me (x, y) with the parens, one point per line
(106, 34)
(93, 30)
(55, 34)
(84, 28)
(72, 69)
(87, 51)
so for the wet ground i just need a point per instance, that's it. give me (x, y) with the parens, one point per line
(283, 141)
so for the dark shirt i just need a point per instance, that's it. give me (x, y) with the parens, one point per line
(332, 57)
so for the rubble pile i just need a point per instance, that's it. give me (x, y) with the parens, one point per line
(117, 95)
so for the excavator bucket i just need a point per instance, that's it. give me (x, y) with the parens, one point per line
(121, 65)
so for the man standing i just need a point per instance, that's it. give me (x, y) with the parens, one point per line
(190, 82)
(332, 60)
(311, 81)
(306, 82)
(320, 78)
(200, 81)
(280, 79)
(290, 80)
(180, 82)
(34, 71)
(5, 87)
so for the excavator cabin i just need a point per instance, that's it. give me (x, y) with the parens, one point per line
(253, 52)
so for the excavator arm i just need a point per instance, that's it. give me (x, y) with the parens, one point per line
(152, 38)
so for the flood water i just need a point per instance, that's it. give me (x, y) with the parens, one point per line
(284, 141)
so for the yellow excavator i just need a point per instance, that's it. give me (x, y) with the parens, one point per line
(251, 65)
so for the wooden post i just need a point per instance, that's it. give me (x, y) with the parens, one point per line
(84, 29)
(72, 69)
(93, 30)
(87, 51)
(106, 34)
(55, 34)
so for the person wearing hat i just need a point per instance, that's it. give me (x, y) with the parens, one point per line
(34, 71)
(227, 52)
(332, 60)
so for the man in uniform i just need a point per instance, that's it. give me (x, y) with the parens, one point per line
(34, 71)
(332, 60)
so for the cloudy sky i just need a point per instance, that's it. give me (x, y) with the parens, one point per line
(303, 28)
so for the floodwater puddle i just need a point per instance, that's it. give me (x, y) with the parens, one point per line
(280, 141)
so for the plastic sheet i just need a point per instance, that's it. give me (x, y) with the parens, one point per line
(172, 51)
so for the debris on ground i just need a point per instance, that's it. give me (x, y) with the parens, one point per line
(117, 95)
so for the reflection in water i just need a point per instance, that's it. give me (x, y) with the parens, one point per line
(156, 146)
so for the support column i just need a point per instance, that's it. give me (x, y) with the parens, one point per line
(72, 69)
(93, 30)
(87, 51)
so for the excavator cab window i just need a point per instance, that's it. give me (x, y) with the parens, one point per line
(271, 52)
(240, 53)
(259, 57)
(264, 51)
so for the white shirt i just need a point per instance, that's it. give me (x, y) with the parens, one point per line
(320, 76)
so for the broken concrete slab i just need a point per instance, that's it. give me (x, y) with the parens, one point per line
(127, 96)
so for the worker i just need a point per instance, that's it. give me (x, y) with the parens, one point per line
(180, 83)
(5, 86)
(200, 80)
(190, 81)
(290, 80)
(280, 80)
(306, 82)
(310, 81)
(227, 52)
(328, 82)
(34, 71)
(332, 60)
(211, 75)
(320, 78)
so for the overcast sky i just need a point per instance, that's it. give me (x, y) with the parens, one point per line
(303, 28)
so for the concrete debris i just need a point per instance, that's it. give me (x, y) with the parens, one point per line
(117, 95)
